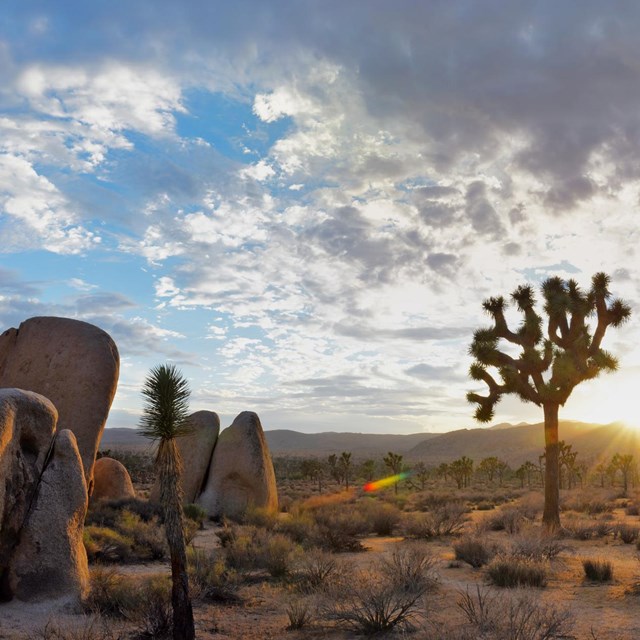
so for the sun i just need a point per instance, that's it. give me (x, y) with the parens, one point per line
(609, 398)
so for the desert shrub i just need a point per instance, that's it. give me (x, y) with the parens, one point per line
(130, 538)
(387, 596)
(509, 519)
(339, 528)
(627, 533)
(145, 603)
(520, 616)
(258, 549)
(278, 555)
(537, 546)
(587, 530)
(380, 517)
(153, 616)
(149, 541)
(300, 527)
(598, 570)
(260, 517)
(632, 509)
(195, 513)
(105, 513)
(110, 593)
(106, 545)
(510, 571)
(315, 570)
(210, 578)
(441, 521)
(299, 612)
(474, 551)
(427, 501)
(93, 628)
(485, 506)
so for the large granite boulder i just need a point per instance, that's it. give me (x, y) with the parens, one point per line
(50, 561)
(196, 450)
(74, 364)
(241, 471)
(27, 427)
(111, 481)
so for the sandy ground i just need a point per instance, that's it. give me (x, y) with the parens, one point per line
(602, 611)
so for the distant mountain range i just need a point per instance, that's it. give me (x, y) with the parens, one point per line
(512, 443)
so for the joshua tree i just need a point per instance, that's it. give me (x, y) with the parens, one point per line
(461, 470)
(547, 369)
(344, 464)
(394, 462)
(489, 467)
(624, 463)
(166, 396)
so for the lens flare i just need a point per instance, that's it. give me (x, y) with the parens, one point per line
(386, 482)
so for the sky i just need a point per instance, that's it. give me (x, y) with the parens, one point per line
(303, 204)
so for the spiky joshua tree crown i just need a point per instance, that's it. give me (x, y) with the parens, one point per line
(548, 367)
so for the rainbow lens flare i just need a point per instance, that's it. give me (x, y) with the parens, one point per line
(386, 482)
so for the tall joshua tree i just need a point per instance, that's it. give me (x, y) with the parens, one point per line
(547, 367)
(166, 396)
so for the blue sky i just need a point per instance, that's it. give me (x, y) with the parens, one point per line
(303, 204)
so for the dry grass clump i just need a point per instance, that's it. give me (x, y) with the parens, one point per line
(520, 616)
(598, 570)
(389, 595)
(316, 570)
(441, 521)
(300, 613)
(474, 551)
(512, 571)
(627, 533)
(592, 502)
(586, 529)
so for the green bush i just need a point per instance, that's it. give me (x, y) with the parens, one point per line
(195, 513)
(598, 570)
(106, 545)
(211, 579)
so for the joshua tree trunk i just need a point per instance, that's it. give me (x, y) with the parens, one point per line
(169, 459)
(551, 516)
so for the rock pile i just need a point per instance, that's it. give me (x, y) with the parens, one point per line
(57, 380)
(241, 471)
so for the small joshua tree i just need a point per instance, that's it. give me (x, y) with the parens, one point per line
(547, 368)
(166, 394)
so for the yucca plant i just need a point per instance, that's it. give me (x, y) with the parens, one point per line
(166, 402)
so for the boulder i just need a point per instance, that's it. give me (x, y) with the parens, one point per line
(50, 561)
(72, 363)
(196, 450)
(241, 471)
(111, 481)
(27, 427)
